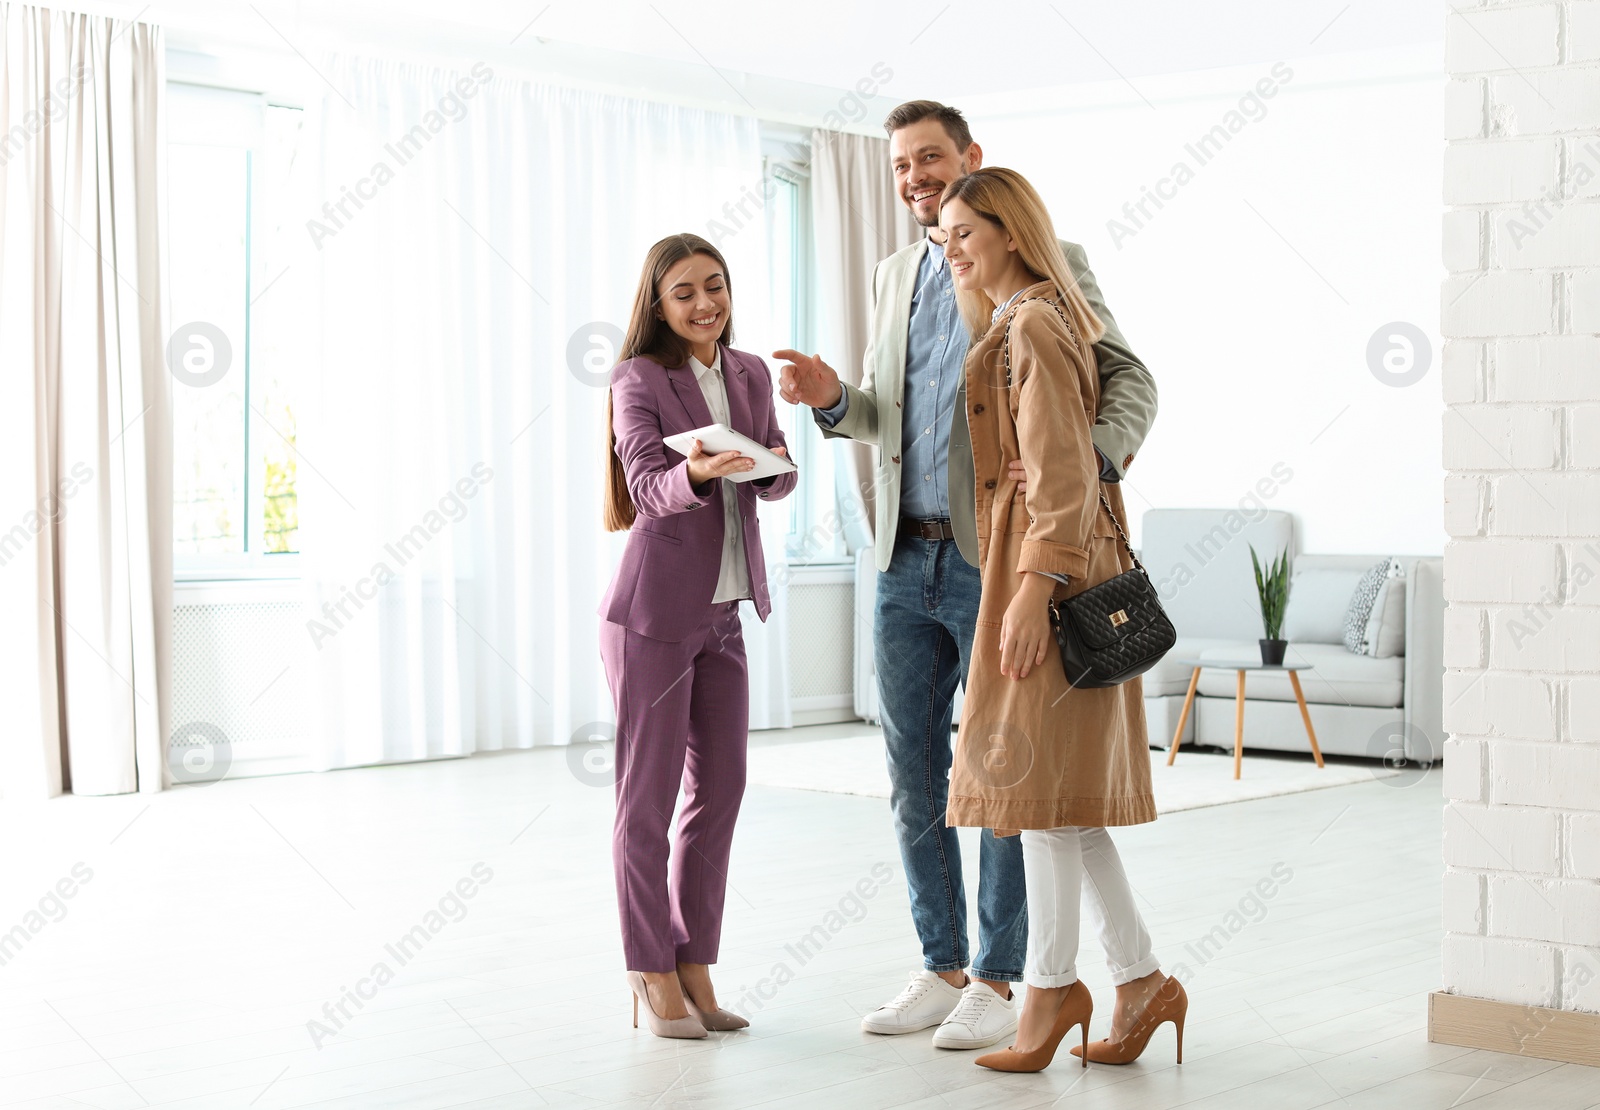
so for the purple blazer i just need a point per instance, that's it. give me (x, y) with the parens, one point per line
(669, 569)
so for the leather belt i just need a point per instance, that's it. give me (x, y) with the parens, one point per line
(927, 529)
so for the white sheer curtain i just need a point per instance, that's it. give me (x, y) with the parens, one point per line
(85, 454)
(859, 221)
(766, 646)
(477, 257)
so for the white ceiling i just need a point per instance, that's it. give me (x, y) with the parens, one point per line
(966, 47)
(963, 48)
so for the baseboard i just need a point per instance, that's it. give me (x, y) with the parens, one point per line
(1565, 1035)
(827, 715)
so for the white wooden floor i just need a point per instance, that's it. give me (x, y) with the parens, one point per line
(217, 922)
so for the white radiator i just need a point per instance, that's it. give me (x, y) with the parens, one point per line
(239, 686)
(822, 657)
(238, 682)
(866, 674)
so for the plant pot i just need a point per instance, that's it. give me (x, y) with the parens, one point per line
(1272, 651)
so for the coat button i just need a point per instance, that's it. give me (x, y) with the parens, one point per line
(977, 408)
(989, 484)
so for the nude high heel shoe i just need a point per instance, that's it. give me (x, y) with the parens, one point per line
(1170, 1003)
(684, 1028)
(1076, 1008)
(718, 1020)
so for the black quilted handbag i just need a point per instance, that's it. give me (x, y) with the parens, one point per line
(1114, 631)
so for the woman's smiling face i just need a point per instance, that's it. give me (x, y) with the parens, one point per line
(694, 301)
(978, 250)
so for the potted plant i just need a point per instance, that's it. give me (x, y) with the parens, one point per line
(1273, 588)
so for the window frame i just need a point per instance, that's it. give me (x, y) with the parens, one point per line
(810, 449)
(254, 563)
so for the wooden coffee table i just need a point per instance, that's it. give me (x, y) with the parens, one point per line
(1242, 666)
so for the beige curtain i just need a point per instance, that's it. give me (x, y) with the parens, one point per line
(85, 466)
(858, 220)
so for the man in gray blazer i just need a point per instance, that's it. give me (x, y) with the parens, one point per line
(911, 405)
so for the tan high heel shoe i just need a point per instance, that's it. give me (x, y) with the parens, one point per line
(718, 1020)
(1171, 1003)
(684, 1028)
(1076, 1008)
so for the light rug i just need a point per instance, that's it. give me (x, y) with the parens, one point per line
(855, 765)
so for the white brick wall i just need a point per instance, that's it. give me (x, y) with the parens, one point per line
(1500, 39)
(1495, 170)
(1547, 368)
(1524, 840)
(1583, 33)
(1584, 420)
(1583, 845)
(1500, 302)
(1463, 902)
(1583, 301)
(1500, 704)
(1520, 313)
(1463, 770)
(1505, 970)
(1565, 910)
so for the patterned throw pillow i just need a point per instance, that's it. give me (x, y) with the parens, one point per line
(1361, 601)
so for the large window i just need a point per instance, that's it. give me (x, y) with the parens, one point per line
(231, 158)
(236, 319)
(788, 211)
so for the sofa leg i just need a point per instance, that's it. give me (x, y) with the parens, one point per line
(1238, 728)
(1305, 715)
(1183, 718)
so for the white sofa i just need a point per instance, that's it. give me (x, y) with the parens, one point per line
(1199, 560)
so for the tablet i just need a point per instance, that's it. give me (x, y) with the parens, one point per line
(717, 438)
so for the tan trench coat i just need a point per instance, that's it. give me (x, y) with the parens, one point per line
(1035, 753)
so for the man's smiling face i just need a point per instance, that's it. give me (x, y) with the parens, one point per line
(925, 159)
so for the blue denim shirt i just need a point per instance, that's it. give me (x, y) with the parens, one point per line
(936, 353)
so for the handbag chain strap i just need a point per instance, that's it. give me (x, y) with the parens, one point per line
(1127, 543)
(1005, 336)
(1005, 350)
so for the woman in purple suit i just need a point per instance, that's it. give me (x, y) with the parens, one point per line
(671, 640)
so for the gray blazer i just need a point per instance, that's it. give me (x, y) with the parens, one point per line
(1127, 399)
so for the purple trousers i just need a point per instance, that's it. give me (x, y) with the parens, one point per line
(683, 717)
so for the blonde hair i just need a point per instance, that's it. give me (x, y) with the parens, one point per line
(1005, 199)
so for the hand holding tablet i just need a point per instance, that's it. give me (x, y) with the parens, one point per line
(718, 438)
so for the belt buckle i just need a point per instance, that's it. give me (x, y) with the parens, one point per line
(928, 529)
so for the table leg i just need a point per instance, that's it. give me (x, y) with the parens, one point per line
(1305, 715)
(1183, 718)
(1238, 727)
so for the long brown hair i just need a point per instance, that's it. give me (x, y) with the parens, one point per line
(649, 336)
(1004, 198)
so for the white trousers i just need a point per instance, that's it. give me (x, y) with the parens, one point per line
(1067, 867)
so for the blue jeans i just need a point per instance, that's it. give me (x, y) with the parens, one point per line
(926, 614)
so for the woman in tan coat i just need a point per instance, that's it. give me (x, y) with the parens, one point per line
(1035, 755)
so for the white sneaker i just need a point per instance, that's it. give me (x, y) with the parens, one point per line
(982, 1018)
(927, 1000)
